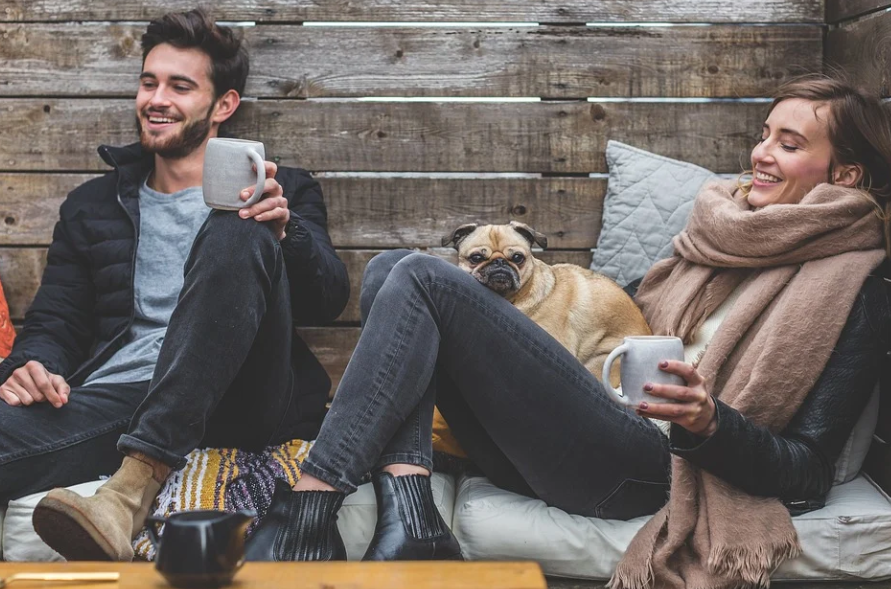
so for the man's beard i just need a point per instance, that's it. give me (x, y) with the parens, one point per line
(179, 145)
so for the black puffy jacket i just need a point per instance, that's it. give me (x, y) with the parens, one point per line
(85, 303)
(797, 465)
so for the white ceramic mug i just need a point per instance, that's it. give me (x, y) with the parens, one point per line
(227, 171)
(641, 355)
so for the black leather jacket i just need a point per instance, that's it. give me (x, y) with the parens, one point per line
(798, 464)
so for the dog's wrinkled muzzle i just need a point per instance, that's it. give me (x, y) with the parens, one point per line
(500, 277)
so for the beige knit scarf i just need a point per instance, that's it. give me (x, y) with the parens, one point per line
(803, 266)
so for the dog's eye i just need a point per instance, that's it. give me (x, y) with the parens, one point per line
(518, 258)
(476, 258)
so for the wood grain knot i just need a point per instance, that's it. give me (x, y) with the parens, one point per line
(598, 113)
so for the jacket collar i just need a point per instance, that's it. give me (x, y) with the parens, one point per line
(132, 164)
(119, 157)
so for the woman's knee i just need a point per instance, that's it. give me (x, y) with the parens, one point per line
(376, 272)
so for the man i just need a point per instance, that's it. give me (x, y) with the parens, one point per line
(157, 324)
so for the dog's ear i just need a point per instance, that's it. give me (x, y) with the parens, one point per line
(459, 234)
(531, 235)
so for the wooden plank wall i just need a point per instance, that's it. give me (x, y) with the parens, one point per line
(858, 42)
(585, 72)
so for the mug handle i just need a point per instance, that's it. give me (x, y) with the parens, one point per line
(607, 366)
(261, 177)
(152, 523)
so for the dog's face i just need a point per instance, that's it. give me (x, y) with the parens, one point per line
(499, 256)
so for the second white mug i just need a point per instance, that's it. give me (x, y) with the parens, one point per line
(641, 355)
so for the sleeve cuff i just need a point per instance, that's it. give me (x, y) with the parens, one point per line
(297, 242)
(682, 441)
(13, 362)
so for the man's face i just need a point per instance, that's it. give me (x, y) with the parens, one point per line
(175, 102)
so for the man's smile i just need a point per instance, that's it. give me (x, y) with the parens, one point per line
(159, 122)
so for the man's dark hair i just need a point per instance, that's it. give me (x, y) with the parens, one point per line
(196, 29)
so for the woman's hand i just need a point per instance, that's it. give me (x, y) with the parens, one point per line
(694, 410)
(272, 208)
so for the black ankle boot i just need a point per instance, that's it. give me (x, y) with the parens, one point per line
(409, 526)
(299, 525)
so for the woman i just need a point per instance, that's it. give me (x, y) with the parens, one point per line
(789, 266)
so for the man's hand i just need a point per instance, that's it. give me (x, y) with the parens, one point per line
(272, 208)
(32, 383)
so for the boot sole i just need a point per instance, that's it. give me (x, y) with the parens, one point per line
(67, 531)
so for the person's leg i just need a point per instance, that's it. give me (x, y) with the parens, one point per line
(625, 493)
(223, 374)
(224, 371)
(543, 410)
(409, 526)
(311, 507)
(409, 450)
(476, 442)
(42, 447)
(414, 433)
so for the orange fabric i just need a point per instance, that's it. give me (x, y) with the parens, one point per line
(443, 440)
(7, 331)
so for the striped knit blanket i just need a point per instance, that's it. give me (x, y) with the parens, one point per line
(226, 479)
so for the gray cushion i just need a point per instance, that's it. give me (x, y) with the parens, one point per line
(851, 458)
(849, 539)
(648, 199)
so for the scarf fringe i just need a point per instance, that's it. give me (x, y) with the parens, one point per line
(627, 578)
(752, 564)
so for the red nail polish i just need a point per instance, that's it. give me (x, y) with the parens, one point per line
(663, 364)
(644, 406)
(648, 386)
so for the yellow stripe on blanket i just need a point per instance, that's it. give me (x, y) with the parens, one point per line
(225, 479)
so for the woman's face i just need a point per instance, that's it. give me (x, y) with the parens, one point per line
(793, 155)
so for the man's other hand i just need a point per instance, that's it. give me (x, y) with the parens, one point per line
(272, 208)
(32, 383)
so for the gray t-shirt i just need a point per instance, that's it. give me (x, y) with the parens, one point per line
(168, 224)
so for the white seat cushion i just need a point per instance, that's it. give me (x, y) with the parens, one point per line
(356, 520)
(21, 542)
(849, 539)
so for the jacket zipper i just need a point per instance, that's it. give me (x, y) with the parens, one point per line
(92, 361)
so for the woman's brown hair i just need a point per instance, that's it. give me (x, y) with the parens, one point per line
(859, 131)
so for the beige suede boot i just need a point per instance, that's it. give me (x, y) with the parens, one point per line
(101, 527)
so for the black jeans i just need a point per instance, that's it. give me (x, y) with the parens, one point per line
(223, 376)
(526, 411)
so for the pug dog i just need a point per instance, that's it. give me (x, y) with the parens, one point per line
(585, 311)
